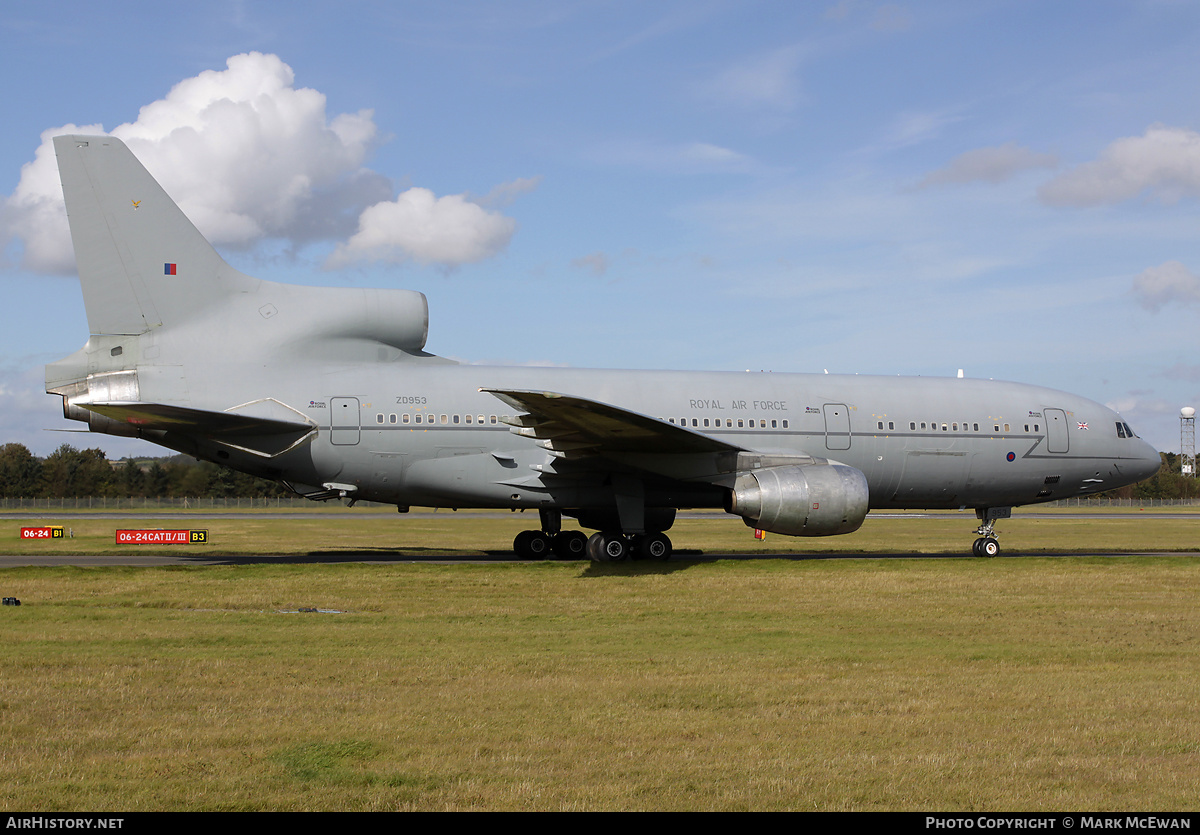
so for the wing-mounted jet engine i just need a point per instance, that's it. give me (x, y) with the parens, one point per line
(802, 500)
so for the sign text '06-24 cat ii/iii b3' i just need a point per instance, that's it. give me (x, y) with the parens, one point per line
(330, 391)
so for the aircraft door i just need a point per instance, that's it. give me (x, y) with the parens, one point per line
(837, 426)
(1057, 436)
(343, 421)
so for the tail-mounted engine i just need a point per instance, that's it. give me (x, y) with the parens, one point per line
(809, 500)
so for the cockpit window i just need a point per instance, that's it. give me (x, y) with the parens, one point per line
(1129, 431)
(1121, 430)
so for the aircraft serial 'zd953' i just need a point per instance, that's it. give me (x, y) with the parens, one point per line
(330, 391)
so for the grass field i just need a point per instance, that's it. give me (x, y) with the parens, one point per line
(963, 684)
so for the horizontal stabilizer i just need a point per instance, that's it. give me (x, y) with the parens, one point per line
(267, 437)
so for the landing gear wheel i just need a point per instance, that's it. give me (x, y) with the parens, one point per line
(987, 544)
(607, 546)
(532, 545)
(570, 545)
(652, 546)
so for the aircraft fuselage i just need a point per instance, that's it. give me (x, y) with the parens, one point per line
(921, 442)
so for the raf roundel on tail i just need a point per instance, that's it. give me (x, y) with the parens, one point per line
(331, 392)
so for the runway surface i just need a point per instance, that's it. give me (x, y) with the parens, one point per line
(143, 560)
(171, 557)
(58, 518)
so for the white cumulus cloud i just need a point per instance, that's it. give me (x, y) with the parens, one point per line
(248, 155)
(244, 152)
(419, 226)
(1169, 283)
(1164, 162)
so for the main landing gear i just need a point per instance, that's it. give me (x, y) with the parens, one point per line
(539, 545)
(551, 539)
(610, 546)
(606, 546)
(987, 545)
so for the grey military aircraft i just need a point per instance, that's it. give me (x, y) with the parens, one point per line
(330, 391)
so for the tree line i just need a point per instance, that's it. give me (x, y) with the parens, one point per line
(68, 472)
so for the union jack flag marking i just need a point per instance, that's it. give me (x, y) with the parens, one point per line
(1083, 426)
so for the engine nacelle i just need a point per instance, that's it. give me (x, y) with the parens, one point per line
(810, 500)
(399, 318)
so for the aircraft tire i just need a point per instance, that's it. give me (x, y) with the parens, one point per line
(977, 547)
(607, 546)
(570, 545)
(532, 545)
(989, 547)
(652, 546)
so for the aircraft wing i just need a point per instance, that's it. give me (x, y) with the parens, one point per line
(572, 426)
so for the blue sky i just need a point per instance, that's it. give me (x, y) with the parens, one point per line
(1010, 188)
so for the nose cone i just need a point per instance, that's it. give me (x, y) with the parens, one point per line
(1144, 461)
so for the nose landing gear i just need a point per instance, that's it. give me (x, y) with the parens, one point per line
(987, 545)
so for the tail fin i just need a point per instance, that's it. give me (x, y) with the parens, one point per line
(142, 264)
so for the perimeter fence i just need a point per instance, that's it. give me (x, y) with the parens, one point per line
(1079, 501)
(298, 504)
(147, 503)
